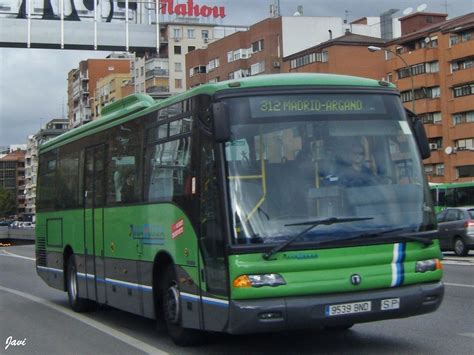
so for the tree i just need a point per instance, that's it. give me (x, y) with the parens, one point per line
(7, 203)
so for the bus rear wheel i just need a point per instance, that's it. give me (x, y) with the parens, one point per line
(171, 310)
(77, 303)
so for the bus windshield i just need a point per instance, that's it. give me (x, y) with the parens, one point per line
(298, 158)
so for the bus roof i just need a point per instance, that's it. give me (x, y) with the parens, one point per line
(138, 104)
(451, 185)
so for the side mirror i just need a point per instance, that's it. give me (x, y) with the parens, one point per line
(420, 135)
(220, 115)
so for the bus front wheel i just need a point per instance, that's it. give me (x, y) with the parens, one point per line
(77, 303)
(171, 310)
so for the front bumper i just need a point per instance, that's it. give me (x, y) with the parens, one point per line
(291, 313)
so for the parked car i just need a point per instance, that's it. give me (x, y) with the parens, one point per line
(456, 229)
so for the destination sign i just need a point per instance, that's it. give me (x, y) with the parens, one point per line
(264, 106)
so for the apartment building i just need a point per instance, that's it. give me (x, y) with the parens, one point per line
(164, 74)
(110, 89)
(52, 129)
(439, 54)
(12, 178)
(82, 84)
(262, 49)
(346, 55)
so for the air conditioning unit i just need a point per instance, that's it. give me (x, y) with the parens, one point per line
(433, 146)
(276, 64)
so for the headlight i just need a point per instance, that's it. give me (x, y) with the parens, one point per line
(259, 280)
(428, 265)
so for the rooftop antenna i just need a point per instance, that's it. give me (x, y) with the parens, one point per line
(407, 11)
(421, 8)
(347, 15)
(445, 6)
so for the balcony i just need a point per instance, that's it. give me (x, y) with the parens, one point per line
(156, 73)
(460, 104)
(434, 130)
(157, 90)
(459, 77)
(460, 50)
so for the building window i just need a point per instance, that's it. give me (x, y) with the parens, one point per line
(178, 83)
(177, 49)
(190, 33)
(463, 117)
(439, 169)
(257, 68)
(321, 57)
(464, 90)
(456, 38)
(431, 118)
(257, 46)
(205, 34)
(177, 33)
(214, 63)
(191, 48)
(430, 67)
(464, 144)
(142, 71)
(465, 171)
(462, 64)
(178, 67)
(429, 169)
(422, 93)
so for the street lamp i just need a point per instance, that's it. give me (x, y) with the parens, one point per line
(377, 49)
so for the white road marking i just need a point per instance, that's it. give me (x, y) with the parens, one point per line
(458, 285)
(127, 339)
(471, 335)
(6, 253)
(455, 262)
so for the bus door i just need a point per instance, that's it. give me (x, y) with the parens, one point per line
(214, 279)
(94, 187)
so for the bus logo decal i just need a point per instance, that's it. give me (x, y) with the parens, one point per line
(356, 279)
(177, 228)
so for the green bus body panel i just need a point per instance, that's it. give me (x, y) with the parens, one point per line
(133, 232)
(137, 105)
(72, 229)
(328, 271)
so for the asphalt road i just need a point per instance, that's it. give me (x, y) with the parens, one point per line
(35, 319)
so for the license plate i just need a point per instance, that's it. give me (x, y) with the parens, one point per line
(390, 303)
(348, 308)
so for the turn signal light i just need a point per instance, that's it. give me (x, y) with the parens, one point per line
(242, 282)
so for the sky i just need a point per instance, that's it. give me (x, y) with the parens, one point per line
(33, 82)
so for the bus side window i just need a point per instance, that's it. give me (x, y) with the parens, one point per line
(124, 163)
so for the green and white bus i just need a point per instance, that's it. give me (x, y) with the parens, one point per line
(228, 208)
(456, 194)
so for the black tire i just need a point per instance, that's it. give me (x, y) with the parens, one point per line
(171, 311)
(460, 247)
(77, 303)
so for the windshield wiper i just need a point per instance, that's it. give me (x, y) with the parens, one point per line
(311, 225)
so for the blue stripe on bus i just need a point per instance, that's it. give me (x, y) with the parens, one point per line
(399, 249)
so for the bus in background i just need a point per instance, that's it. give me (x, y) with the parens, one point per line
(263, 204)
(458, 194)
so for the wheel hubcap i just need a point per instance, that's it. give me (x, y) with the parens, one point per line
(172, 304)
(73, 283)
(458, 246)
